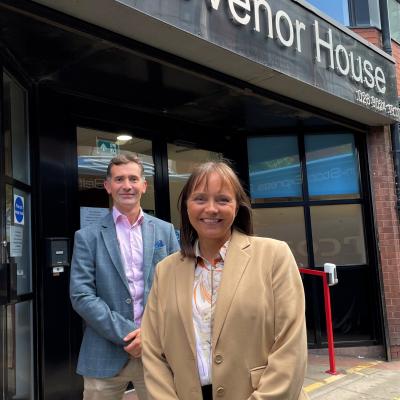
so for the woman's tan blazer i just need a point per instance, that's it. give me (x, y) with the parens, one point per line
(259, 334)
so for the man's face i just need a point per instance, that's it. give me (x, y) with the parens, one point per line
(126, 186)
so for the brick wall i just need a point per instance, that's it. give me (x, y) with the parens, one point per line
(387, 226)
(386, 217)
(373, 35)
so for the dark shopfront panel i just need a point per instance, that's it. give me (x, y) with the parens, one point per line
(86, 92)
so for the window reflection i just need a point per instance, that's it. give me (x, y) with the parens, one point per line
(338, 234)
(394, 19)
(338, 9)
(284, 223)
(19, 351)
(15, 130)
(274, 168)
(332, 166)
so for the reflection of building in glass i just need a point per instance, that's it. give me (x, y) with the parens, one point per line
(329, 175)
(97, 166)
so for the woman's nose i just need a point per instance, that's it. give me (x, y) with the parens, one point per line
(211, 206)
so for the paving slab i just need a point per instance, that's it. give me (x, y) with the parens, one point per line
(357, 378)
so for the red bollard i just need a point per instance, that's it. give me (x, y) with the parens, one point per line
(328, 315)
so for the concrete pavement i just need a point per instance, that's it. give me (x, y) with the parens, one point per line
(358, 378)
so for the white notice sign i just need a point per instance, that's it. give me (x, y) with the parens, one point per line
(90, 215)
(17, 236)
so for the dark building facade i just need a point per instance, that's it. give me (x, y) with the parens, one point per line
(306, 108)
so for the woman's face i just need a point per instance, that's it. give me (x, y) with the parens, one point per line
(212, 209)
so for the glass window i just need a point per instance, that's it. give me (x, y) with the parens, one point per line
(274, 168)
(181, 161)
(375, 15)
(18, 235)
(20, 351)
(338, 9)
(95, 150)
(338, 234)
(332, 166)
(15, 130)
(394, 19)
(283, 223)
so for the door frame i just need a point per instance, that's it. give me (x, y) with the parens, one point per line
(15, 71)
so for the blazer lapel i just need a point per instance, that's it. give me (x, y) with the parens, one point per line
(148, 237)
(235, 264)
(111, 242)
(184, 280)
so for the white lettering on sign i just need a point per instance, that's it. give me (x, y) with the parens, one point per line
(343, 61)
(267, 8)
(377, 104)
(213, 4)
(281, 15)
(240, 17)
(289, 33)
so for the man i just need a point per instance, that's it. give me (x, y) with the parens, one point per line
(112, 271)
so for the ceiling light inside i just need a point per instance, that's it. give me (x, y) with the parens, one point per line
(124, 138)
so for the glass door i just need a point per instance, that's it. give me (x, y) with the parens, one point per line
(16, 295)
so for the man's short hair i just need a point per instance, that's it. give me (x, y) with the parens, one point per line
(122, 159)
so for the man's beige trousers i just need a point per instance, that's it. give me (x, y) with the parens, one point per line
(114, 388)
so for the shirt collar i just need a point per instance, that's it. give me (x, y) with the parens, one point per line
(222, 251)
(117, 216)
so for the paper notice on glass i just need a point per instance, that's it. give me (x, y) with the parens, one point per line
(90, 215)
(16, 240)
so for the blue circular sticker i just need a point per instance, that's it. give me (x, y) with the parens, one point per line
(19, 209)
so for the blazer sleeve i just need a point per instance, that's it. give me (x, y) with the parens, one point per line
(95, 311)
(173, 241)
(284, 374)
(157, 373)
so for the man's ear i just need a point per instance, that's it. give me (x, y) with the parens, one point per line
(144, 185)
(107, 186)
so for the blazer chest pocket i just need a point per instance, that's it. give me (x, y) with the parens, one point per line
(159, 253)
(255, 375)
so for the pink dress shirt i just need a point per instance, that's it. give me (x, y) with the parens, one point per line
(131, 247)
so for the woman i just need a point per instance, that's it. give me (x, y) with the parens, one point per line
(225, 316)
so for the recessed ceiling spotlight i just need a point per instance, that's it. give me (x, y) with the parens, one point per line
(124, 138)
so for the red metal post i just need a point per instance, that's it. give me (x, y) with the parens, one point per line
(328, 316)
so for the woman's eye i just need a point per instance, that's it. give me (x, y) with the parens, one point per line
(223, 200)
(199, 199)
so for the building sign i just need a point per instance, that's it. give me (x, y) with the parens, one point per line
(106, 147)
(19, 210)
(289, 38)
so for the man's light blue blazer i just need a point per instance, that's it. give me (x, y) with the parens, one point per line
(100, 294)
